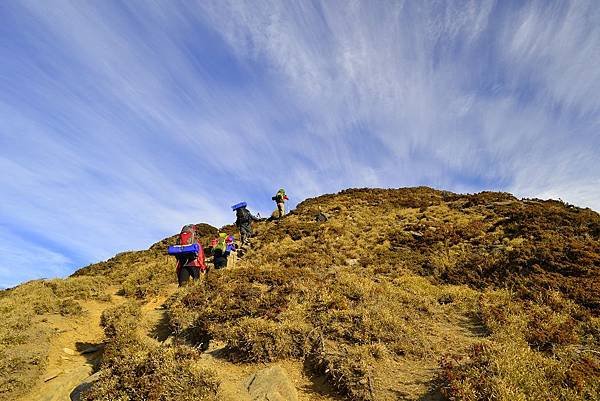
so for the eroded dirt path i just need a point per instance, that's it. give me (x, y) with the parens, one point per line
(74, 351)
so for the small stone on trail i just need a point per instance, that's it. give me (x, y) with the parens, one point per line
(68, 351)
(52, 376)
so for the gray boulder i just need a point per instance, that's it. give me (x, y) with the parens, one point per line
(271, 384)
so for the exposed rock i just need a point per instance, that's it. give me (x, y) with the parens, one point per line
(69, 351)
(271, 384)
(321, 217)
(52, 376)
(84, 386)
(90, 350)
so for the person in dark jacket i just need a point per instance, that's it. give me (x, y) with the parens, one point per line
(243, 222)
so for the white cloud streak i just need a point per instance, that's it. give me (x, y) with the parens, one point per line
(410, 72)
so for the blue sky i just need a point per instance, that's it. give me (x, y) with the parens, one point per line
(121, 121)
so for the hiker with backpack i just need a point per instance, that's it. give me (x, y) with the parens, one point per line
(189, 255)
(279, 198)
(220, 251)
(243, 221)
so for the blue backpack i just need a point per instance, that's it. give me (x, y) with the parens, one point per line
(187, 248)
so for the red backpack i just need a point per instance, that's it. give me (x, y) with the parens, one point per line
(188, 251)
(187, 235)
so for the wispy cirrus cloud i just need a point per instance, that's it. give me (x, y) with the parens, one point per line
(486, 94)
(119, 122)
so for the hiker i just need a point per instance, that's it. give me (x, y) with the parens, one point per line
(231, 248)
(189, 254)
(230, 244)
(280, 198)
(244, 221)
(219, 251)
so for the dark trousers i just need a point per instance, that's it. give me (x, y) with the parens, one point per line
(245, 232)
(186, 272)
(220, 258)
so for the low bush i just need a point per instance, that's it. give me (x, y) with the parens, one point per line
(348, 368)
(136, 368)
(121, 320)
(149, 279)
(70, 307)
(536, 351)
(80, 288)
(509, 371)
(264, 340)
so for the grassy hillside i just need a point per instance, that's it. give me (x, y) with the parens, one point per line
(399, 294)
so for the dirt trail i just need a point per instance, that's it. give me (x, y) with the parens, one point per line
(73, 353)
(76, 350)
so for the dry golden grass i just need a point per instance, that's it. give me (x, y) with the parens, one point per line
(536, 352)
(500, 297)
(149, 278)
(325, 317)
(339, 292)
